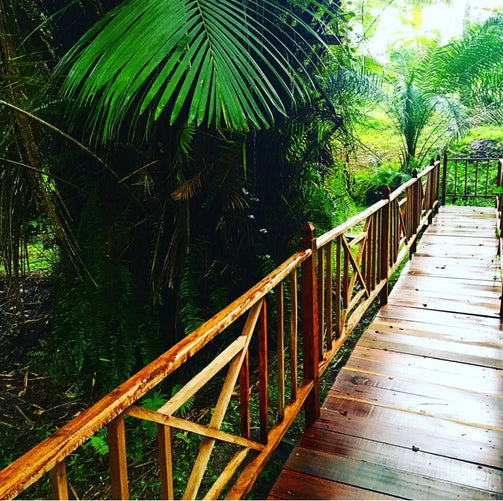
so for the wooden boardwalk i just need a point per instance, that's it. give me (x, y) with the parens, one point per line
(417, 412)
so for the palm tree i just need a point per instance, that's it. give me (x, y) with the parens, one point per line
(432, 93)
(222, 63)
(419, 118)
(471, 66)
(166, 228)
(422, 116)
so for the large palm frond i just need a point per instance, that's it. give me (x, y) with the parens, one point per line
(212, 62)
(461, 64)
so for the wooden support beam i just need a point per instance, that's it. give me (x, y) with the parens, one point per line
(384, 245)
(310, 324)
(117, 457)
(165, 461)
(59, 484)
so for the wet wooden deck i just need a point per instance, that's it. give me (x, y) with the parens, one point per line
(417, 412)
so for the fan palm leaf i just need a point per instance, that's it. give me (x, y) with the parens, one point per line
(214, 62)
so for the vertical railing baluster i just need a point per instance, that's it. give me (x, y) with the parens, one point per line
(368, 254)
(499, 198)
(500, 195)
(165, 462)
(263, 374)
(456, 178)
(321, 301)
(117, 455)
(444, 178)
(396, 226)
(57, 479)
(414, 208)
(345, 281)
(293, 335)
(394, 214)
(375, 250)
(280, 350)
(429, 199)
(476, 176)
(329, 295)
(466, 178)
(244, 396)
(384, 245)
(310, 324)
(338, 288)
(488, 167)
(363, 251)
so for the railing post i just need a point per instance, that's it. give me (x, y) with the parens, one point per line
(437, 196)
(310, 324)
(384, 246)
(499, 183)
(263, 388)
(415, 211)
(499, 209)
(431, 195)
(59, 485)
(117, 455)
(444, 177)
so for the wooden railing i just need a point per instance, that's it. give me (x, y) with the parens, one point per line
(499, 208)
(499, 194)
(470, 180)
(354, 266)
(325, 288)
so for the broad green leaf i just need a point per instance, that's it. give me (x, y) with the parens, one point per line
(219, 62)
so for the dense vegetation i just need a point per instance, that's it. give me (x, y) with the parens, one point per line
(168, 154)
(162, 170)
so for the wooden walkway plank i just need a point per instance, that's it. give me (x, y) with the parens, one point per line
(484, 356)
(420, 397)
(440, 287)
(455, 320)
(414, 431)
(400, 458)
(381, 478)
(477, 337)
(430, 370)
(303, 486)
(450, 267)
(417, 412)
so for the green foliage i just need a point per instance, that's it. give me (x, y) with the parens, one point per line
(423, 116)
(102, 326)
(328, 201)
(185, 408)
(463, 146)
(99, 442)
(471, 64)
(368, 186)
(211, 63)
(427, 88)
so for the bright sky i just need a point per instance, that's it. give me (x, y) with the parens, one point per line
(448, 19)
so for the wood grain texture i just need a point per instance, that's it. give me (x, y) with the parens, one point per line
(302, 486)
(41, 459)
(417, 411)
